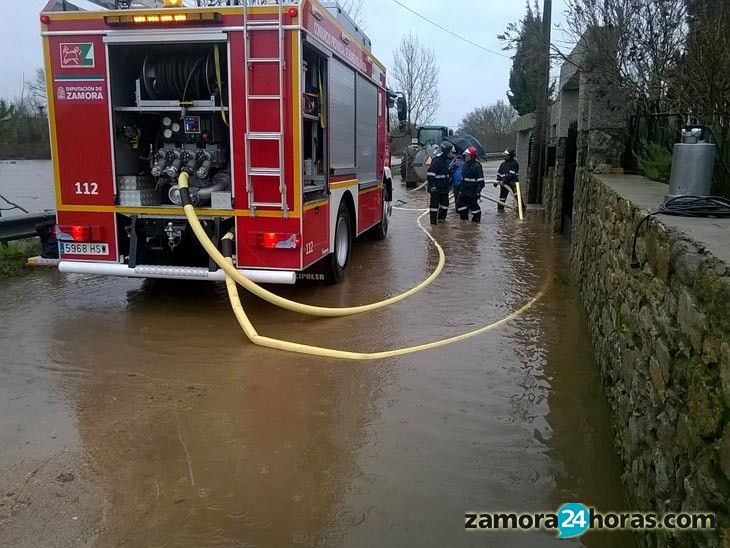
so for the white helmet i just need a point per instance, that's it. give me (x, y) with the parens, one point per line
(471, 152)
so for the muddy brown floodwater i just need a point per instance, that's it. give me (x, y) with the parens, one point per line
(136, 413)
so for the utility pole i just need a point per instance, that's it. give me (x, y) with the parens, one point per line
(537, 162)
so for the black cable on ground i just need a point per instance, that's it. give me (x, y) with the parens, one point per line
(685, 206)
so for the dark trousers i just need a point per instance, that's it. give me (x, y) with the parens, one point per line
(469, 204)
(439, 206)
(504, 193)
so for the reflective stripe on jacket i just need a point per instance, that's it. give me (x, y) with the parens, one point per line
(508, 172)
(438, 174)
(473, 179)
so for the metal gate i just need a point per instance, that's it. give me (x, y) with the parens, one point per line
(571, 156)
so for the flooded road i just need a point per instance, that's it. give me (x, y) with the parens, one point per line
(136, 413)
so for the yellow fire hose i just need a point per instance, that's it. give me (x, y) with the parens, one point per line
(219, 80)
(503, 204)
(418, 187)
(517, 196)
(278, 344)
(274, 299)
(233, 276)
(519, 201)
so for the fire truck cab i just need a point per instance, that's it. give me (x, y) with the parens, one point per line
(278, 112)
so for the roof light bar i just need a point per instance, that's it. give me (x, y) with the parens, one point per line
(161, 18)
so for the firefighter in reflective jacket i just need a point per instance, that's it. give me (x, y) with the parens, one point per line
(508, 175)
(472, 185)
(439, 183)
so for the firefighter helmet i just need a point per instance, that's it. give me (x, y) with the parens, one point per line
(509, 153)
(472, 152)
(446, 147)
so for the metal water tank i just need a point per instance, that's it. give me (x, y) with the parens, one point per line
(693, 164)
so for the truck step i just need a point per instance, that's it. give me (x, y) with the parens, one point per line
(264, 171)
(262, 136)
(268, 204)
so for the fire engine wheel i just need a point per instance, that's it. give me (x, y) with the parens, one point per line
(343, 245)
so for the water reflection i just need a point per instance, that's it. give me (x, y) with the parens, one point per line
(201, 439)
(204, 440)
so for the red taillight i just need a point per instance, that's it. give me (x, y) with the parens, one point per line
(45, 20)
(293, 12)
(278, 240)
(79, 233)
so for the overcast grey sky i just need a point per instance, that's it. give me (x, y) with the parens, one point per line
(470, 77)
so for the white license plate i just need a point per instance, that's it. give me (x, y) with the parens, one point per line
(75, 248)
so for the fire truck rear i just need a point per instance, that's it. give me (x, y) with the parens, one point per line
(277, 111)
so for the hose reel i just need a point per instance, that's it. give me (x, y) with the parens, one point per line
(182, 76)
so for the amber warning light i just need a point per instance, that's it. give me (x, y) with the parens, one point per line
(161, 18)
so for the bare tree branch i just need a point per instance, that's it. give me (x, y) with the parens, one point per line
(493, 125)
(633, 44)
(417, 75)
(353, 8)
(701, 87)
(37, 90)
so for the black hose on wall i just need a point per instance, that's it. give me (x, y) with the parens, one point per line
(685, 206)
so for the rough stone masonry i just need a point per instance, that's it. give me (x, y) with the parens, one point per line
(661, 335)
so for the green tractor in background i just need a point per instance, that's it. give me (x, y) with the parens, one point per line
(414, 163)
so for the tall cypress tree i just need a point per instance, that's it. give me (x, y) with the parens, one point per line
(524, 38)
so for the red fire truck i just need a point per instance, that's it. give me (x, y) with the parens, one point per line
(277, 110)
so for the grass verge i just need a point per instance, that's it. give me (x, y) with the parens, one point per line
(13, 256)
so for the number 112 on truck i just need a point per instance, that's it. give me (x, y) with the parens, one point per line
(277, 112)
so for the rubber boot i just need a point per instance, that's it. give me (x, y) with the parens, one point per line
(462, 209)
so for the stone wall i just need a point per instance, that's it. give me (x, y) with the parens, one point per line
(525, 125)
(661, 335)
(598, 107)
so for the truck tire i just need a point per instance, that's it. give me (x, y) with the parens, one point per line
(340, 257)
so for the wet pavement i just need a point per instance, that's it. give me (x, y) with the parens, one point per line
(136, 413)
